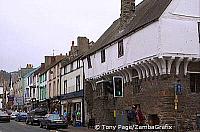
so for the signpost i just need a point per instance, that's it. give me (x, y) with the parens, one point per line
(178, 90)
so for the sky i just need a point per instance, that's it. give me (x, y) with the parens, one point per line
(32, 29)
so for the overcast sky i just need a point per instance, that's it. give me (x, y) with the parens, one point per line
(31, 29)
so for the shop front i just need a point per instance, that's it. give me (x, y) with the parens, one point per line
(72, 103)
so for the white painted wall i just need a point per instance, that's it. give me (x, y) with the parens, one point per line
(71, 79)
(179, 36)
(175, 32)
(1, 92)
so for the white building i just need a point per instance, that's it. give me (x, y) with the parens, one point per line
(72, 80)
(1, 97)
(152, 46)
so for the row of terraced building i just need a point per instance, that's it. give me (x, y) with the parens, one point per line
(154, 46)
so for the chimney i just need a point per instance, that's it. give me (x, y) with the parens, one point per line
(29, 66)
(72, 43)
(83, 44)
(127, 11)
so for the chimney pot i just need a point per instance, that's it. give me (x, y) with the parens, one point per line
(72, 43)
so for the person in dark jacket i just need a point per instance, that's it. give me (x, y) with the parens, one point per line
(131, 116)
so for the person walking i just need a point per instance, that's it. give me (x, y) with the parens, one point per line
(74, 118)
(65, 114)
(131, 116)
(140, 119)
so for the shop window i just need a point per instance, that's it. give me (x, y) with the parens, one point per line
(195, 82)
(78, 111)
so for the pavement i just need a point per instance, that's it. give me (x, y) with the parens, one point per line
(77, 129)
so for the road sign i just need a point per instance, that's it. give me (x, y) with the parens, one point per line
(179, 89)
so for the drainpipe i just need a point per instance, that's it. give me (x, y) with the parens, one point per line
(60, 92)
(83, 99)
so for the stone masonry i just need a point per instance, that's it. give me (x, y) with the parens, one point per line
(155, 96)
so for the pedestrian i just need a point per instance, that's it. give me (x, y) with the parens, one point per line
(55, 111)
(65, 114)
(131, 116)
(74, 118)
(140, 119)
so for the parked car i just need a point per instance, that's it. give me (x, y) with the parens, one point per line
(22, 116)
(13, 115)
(53, 121)
(35, 116)
(4, 117)
(9, 112)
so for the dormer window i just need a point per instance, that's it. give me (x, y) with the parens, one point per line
(103, 57)
(120, 48)
(89, 62)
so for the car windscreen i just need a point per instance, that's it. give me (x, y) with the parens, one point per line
(54, 117)
(23, 114)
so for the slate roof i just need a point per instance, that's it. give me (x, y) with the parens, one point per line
(52, 65)
(66, 61)
(147, 12)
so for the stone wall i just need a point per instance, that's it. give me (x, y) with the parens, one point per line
(155, 96)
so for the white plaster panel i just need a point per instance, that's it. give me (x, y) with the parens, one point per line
(179, 36)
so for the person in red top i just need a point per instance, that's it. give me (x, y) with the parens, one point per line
(140, 119)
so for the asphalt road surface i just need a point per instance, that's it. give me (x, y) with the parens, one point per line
(14, 126)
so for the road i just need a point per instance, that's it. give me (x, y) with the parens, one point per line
(14, 126)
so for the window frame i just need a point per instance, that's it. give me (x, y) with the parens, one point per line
(120, 48)
(89, 62)
(198, 24)
(71, 67)
(195, 88)
(78, 83)
(78, 63)
(103, 55)
(65, 87)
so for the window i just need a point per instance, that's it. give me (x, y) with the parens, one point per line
(120, 48)
(65, 69)
(78, 83)
(71, 66)
(195, 83)
(103, 57)
(54, 72)
(89, 62)
(54, 88)
(199, 30)
(78, 64)
(58, 87)
(44, 77)
(136, 85)
(27, 92)
(50, 90)
(58, 70)
(33, 92)
(65, 86)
